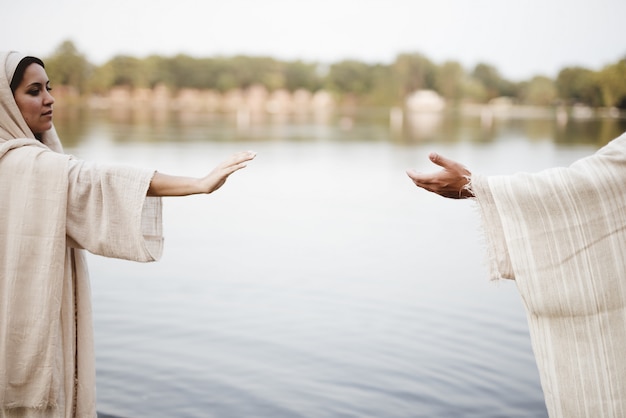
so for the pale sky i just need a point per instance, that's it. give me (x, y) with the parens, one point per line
(520, 38)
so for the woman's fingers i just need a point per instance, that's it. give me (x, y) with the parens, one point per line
(235, 162)
(240, 157)
(238, 161)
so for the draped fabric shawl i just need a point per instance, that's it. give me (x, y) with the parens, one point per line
(561, 234)
(51, 207)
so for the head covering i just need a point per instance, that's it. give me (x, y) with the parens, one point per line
(12, 123)
(12, 60)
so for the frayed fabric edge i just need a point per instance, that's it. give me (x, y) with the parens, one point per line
(482, 202)
(489, 258)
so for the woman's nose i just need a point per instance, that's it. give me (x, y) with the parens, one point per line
(48, 98)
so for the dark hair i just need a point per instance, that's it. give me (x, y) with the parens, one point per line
(18, 75)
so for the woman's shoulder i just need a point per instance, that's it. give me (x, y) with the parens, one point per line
(24, 149)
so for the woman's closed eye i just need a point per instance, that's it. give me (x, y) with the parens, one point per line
(35, 90)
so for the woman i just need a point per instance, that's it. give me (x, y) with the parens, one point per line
(561, 235)
(51, 207)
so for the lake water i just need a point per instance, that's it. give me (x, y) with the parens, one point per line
(319, 282)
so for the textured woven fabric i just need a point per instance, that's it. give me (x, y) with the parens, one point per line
(561, 235)
(51, 207)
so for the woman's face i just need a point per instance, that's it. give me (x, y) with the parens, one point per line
(34, 100)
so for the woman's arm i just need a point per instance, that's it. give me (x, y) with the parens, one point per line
(167, 185)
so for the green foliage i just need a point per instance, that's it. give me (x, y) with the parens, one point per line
(539, 91)
(301, 75)
(612, 83)
(158, 71)
(371, 84)
(127, 71)
(66, 66)
(384, 90)
(494, 84)
(473, 90)
(183, 71)
(414, 72)
(578, 85)
(449, 80)
(351, 77)
(102, 79)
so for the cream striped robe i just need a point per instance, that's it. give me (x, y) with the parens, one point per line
(561, 234)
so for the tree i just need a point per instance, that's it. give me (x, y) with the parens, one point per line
(539, 91)
(449, 80)
(349, 76)
(612, 84)
(493, 82)
(128, 71)
(414, 72)
(301, 75)
(578, 85)
(158, 71)
(248, 71)
(384, 87)
(473, 90)
(66, 66)
(101, 79)
(184, 71)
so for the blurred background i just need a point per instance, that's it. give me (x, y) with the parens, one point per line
(319, 282)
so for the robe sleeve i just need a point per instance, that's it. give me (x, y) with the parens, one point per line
(109, 214)
(562, 234)
(498, 258)
(525, 215)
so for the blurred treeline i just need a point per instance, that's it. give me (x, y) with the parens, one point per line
(358, 82)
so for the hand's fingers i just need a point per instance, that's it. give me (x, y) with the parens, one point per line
(420, 178)
(414, 175)
(238, 158)
(244, 156)
(444, 162)
(227, 171)
(411, 173)
(426, 185)
(450, 182)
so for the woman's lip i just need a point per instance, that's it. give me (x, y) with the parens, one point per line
(48, 113)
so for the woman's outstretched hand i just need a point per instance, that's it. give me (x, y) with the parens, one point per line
(217, 177)
(166, 185)
(451, 182)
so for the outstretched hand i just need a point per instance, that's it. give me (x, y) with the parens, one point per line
(218, 176)
(167, 185)
(451, 182)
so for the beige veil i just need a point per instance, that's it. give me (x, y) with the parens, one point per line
(12, 124)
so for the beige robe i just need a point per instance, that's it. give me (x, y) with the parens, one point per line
(51, 206)
(561, 234)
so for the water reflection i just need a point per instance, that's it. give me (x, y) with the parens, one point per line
(155, 124)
